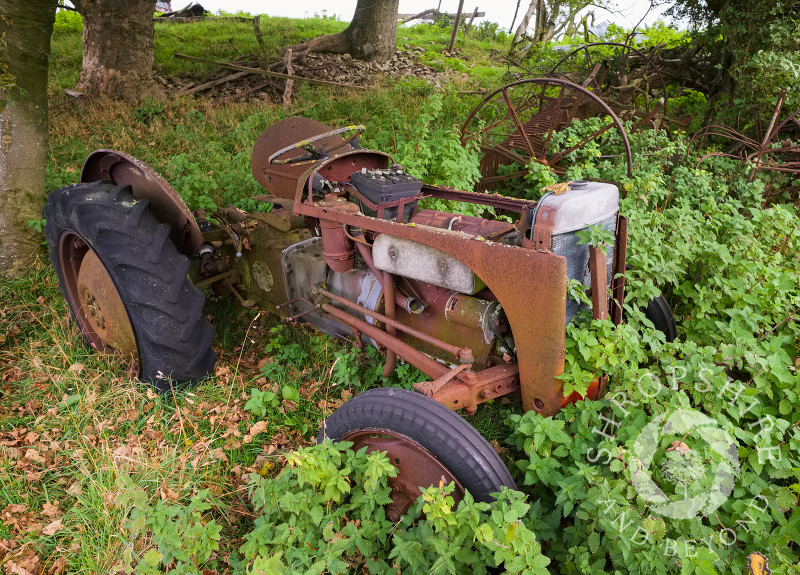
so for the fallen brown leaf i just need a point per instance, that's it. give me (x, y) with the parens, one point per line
(58, 566)
(33, 455)
(14, 509)
(30, 438)
(258, 427)
(51, 509)
(76, 367)
(53, 527)
(167, 493)
(26, 563)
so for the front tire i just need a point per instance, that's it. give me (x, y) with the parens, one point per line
(660, 315)
(126, 284)
(425, 440)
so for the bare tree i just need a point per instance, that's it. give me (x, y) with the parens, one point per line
(25, 28)
(553, 17)
(118, 50)
(371, 35)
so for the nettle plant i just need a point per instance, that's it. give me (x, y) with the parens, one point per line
(324, 514)
(690, 462)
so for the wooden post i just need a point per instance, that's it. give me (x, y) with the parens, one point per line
(472, 18)
(455, 26)
(287, 92)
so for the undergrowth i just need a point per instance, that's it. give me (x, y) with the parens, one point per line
(99, 474)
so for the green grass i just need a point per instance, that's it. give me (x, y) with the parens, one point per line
(82, 423)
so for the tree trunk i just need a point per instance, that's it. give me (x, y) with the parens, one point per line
(514, 19)
(27, 27)
(371, 35)
(118, 50)
(525, 20)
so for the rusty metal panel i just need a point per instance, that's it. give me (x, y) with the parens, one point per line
(467, 390)
(597, 267)
(618, 280)
(489, 229)
(146, 183)
(530, 285)
(283, 179)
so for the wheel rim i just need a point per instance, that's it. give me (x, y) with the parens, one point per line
(606, 74)
(416, 467)
(93, 297)
(516, 123)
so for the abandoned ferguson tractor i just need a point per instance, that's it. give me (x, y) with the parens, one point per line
(479, 306)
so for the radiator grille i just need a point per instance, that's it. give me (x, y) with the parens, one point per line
(578, 260)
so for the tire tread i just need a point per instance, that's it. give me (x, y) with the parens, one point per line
(165, 309)
(444, 433)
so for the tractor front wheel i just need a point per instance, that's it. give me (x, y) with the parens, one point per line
(428, 444)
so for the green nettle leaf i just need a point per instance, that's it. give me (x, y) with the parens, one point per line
(595, 235)
(725, 276)
(152, 558)
(785, 499)
(450, 538)
(268, 566)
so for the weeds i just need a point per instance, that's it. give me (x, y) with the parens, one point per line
(99, 474)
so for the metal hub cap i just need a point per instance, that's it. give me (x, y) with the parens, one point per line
(416, 467)
(93, 297)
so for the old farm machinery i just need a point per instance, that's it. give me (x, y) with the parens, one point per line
(479, 306)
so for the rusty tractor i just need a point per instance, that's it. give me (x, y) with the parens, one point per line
(478, 305)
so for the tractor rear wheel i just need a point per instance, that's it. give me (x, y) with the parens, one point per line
(428, 444)
(126, 284)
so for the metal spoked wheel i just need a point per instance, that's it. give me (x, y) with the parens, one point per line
(515, 125)
(428, 443)
(126, 284)
(626, 77)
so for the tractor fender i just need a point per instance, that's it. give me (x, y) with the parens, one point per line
(147, 184)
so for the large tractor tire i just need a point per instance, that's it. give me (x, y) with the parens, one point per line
(126, 284)
(660, 315)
